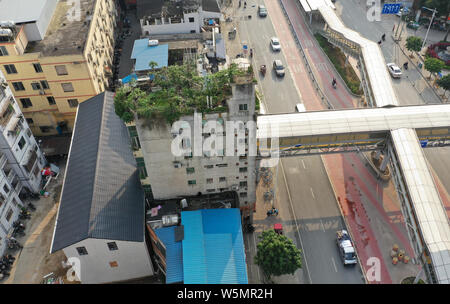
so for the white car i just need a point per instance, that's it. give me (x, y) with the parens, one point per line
(275, 44)
(394, 70)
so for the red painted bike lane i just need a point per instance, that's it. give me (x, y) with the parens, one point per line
(349, 185)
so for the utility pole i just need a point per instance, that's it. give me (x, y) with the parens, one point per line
(426, 35)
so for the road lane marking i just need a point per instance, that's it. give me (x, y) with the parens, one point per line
(312, 193)
(303, 162)
(334, 264)
(323, 227)
(295, 221)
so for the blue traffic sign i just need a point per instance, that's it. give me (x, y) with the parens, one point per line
(424, 143)
(391, 8)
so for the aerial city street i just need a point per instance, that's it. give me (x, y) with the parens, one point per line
(224, 142)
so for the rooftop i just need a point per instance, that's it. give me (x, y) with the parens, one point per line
(101, 196)
(21, 11)
(167, 8)
(144, 54)
(65, 35)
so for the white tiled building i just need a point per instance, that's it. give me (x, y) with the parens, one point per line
(20, 160)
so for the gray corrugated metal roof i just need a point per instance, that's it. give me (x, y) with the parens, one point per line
(101, 196)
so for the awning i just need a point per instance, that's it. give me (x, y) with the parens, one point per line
(13, 123)
(3, 106)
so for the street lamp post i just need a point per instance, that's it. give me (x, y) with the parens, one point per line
(431, 21)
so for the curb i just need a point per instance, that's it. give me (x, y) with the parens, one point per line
(345, 220)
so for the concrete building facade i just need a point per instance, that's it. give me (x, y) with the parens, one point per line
(72, 63)
(165, 175)
(20, 160)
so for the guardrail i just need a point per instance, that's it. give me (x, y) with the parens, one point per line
(316, 85)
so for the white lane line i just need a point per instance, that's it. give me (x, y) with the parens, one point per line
(312, 193)
(323, 227)
(295, 221)
(303, 162)
(334, 264)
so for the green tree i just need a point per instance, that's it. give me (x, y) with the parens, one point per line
(414, 44)
(277, 255)
(444, 83)
(443, 9)
(434, 65)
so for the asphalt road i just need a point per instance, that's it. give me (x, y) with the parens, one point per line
(313, 200)
(353, 15)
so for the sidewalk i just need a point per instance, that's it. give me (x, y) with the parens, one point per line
(262, 222)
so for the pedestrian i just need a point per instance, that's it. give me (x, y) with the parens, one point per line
(379, 42)
(383, 37)
(269, 213)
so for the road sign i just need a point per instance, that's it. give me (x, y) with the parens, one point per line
(391, 8)
(424, 143)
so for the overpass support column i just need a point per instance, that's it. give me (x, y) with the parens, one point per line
(385, 161)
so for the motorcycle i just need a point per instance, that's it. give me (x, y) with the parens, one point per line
(14, 244)
(31, 206)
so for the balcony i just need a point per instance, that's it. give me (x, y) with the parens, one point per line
(6, 112)
(3, 161)
(31, 161)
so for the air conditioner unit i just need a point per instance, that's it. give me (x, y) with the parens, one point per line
(235, 187)
(153, 42)
(41, 92)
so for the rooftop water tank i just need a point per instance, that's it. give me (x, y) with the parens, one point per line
(153, 42)
(5, 32)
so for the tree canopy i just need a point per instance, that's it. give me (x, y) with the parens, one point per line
(414, 43)
(277, 255)
(444, 82)
(433, 65)
(175, 91)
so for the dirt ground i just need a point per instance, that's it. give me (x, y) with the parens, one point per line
(34, 261)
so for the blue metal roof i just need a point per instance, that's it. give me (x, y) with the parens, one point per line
(213, 247)
(144, 54)
(174, 254)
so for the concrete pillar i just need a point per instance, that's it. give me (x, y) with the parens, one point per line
(385, 162)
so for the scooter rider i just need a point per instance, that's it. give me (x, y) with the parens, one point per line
(333, 83)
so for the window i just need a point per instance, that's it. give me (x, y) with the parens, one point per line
(35, 85)
(22, 142)
(141, 167)
(243, 169)
(51, 100)
(73, 103)
(112, 246)
(5, 187)
(243, 107)
(191, 19)
(37, 67)
(29, 133)
(30, 121)
(210, 190)
(46, 129)
(3, 51)
(222, 179)
(222, 165)
(209, 180)
(243, 194)
(242, 184)
(9, 214)
(45, 85)
(190, 170)
(67, 87)
(61, 70)
(192, 182)
(82, 250)
(26, 102)
(18, 86)
(209, 166)
(10, 69)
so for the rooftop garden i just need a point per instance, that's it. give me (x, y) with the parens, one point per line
(177, 90)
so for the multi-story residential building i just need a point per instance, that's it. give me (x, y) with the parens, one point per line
(20, 160)
(72, 63)
(165, 175)
(159, 17)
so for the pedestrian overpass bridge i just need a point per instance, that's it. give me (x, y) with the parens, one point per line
(395, 130)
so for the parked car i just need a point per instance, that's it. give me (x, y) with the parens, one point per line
(278, 67)
(262, 11)
(413, 25)
(275, 44)
(394, 70)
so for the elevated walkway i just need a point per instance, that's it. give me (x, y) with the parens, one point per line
(396, 132)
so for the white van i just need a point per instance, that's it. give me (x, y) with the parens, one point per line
(300, 107)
